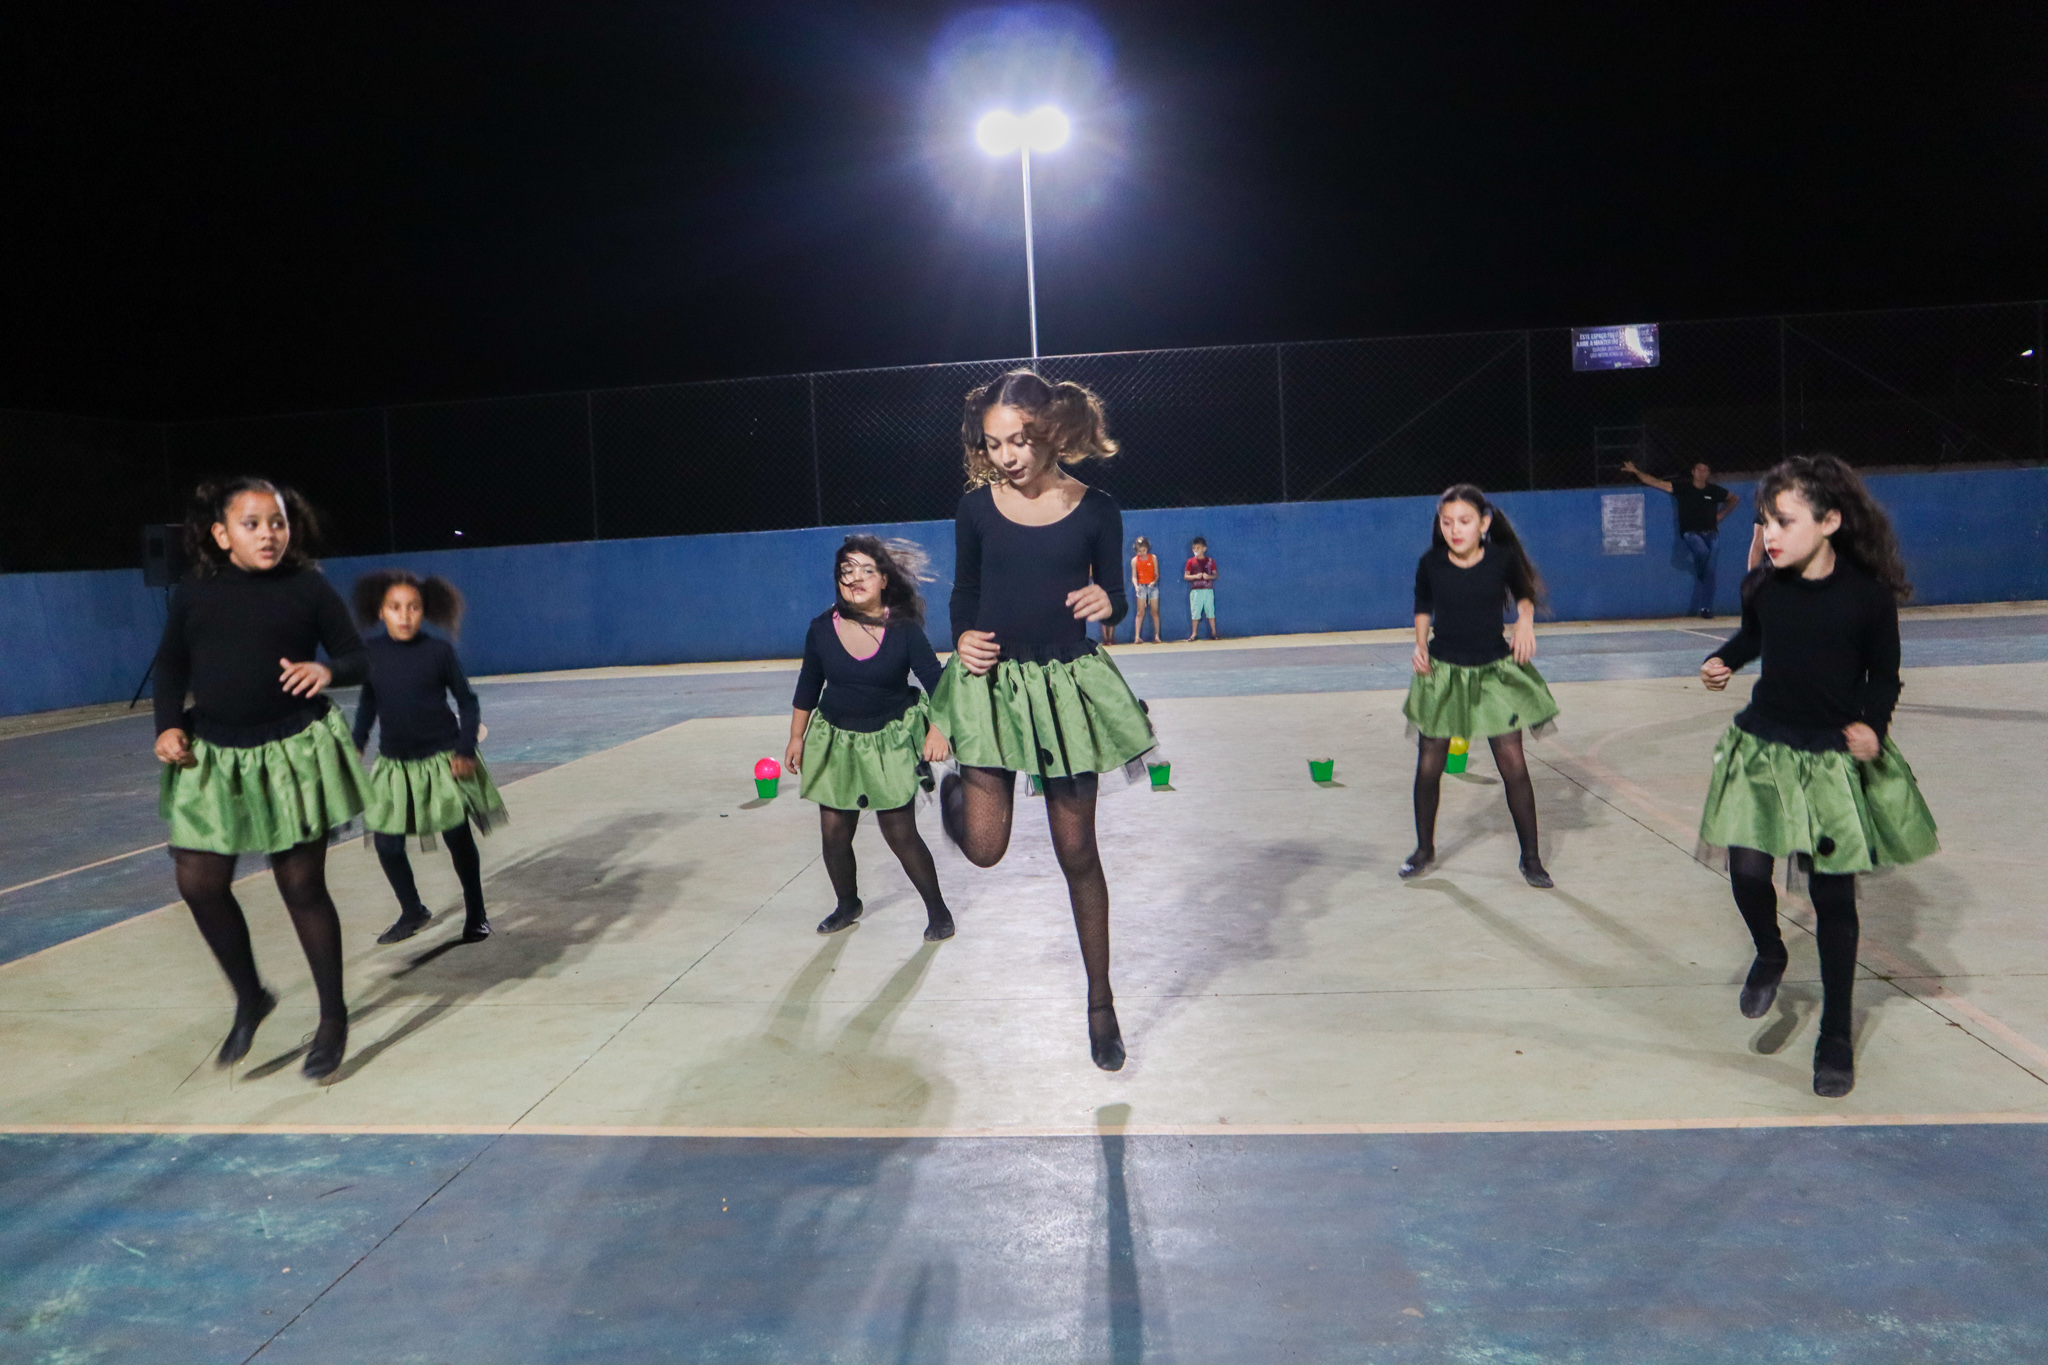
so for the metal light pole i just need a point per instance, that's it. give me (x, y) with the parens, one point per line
(1044, 129)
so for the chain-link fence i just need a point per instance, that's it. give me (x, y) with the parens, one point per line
(1919, 388)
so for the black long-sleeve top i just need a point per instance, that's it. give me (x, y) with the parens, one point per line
(1830, 650)
(1465, 606)
(223, 641)
(1013, 580)
(863, 695)
(406, 696)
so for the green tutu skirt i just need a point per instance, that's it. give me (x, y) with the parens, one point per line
(864, 770)
(1847, 815)
(1052, 719)
(266, 798)
(1478, 701)
(423, 796)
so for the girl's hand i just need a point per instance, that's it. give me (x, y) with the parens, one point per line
(1715, 674)
(936, 749)
(304, 680)
(1863, 743)
(1523, 642)
(977, 651)
(173, 748)
(1090, 603)
(1420, 658)
(793, 756)
(464, 768)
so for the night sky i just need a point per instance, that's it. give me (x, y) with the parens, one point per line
(234, 208)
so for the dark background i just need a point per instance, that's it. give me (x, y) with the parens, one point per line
(241, 208)
(442, 266)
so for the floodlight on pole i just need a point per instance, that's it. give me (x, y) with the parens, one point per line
(1000, 133)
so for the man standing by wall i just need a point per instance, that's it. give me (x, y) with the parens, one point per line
(1701, 505)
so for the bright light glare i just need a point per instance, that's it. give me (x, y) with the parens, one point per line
(1001, 132)
(2028, 351)
(1045, 128)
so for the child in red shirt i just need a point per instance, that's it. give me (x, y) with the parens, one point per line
(1201, 577)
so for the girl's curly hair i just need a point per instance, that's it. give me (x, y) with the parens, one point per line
(1065, 418)
(903, 565)
(441, 599)
(1827, 484)
(209, 507)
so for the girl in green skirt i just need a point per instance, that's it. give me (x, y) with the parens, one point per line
(1470, 681)
(860, 735)
(1039, 556)
(1807, 772)
(428, 779)
(261, 763)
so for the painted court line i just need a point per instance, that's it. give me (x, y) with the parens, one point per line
(1649, 1125)
(83, 867)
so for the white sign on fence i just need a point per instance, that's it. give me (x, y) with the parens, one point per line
(1621, 524)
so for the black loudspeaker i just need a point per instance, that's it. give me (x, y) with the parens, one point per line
(163, 555)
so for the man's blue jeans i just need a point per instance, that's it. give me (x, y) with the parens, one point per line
(1700, 544)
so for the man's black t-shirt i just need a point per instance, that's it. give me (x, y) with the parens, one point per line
(1699, 509)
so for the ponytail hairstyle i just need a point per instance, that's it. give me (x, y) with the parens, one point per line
(903, 564)
(441, 599)
(1827, 484)
(1524, 582)
(1065, 418)
(209, 506)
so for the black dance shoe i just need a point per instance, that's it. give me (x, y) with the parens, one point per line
(323, 1054)
(476, 931)
(406, 925)
(842, 918)
(1533, 873)
(1419, 862)
(1834, 1067)
(938, 925)
(242, 1036)
(1761, 989)
(1105, 1044)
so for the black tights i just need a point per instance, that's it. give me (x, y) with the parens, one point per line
(988, 801)
(1430, 755)
(899, 828)
(461, 852)
(206, 882)
(1836, 927)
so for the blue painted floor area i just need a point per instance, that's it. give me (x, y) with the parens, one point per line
(72, 797)
(1890, 1244)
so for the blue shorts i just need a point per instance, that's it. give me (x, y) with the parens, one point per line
(1147, 592)
(1201, 602)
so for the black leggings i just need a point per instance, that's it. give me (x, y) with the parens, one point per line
(1430, 756)
(206, 882)
(461, 852)
(988, 802)
(899, 828)
(1836, 927)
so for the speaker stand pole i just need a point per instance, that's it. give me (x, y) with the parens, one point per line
(152, 658)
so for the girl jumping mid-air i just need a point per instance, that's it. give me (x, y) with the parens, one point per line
(262, 762)
(1469, 681)
(859, 734)
(1806, 771)
(428, 779)
(1040, 555)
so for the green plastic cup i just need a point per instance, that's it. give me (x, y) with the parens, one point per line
(765, 787)
(1455, 763)
(1322, 769)
(1161, 773)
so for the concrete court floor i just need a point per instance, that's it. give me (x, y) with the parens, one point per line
(912, 1158)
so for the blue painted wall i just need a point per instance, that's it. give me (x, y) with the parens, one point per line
(76, 638)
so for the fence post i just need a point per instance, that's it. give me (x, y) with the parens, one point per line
(2040, 429)
(390, 496)
(1280, 388)
(817, 479)
(170, 485)
(1528, 412)
(590, 453)
(1782, 447)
